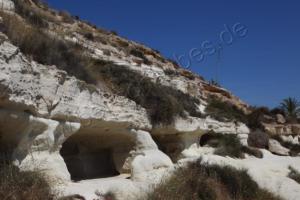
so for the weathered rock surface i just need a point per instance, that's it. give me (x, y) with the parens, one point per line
(79, 132)
(280, 129)
(147, 156)
(291, 139)
(47, 92)
(276, 148)
(7, 5)
(280, 119)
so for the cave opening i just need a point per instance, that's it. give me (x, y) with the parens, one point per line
(171, 145)
(94, 156)
(210, 139)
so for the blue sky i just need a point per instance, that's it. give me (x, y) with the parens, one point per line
(262, 68)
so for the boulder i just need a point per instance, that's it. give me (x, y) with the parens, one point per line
(147, 157)
(280, 119)
(276, 148)
(258, 139)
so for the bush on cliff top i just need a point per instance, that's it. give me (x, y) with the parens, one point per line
(162, 102)
(46, 49)
(223, 111)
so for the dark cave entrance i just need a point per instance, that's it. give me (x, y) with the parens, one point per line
(94, 156)
(88, 165)
(210, 139)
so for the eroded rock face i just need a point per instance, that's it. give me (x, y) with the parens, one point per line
(68, 119)
(47, 92)
(281, 129)
(291, 139)
(35, 142)
(76, 131)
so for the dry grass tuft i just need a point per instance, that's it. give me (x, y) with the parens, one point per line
(162, 103)
(200, 181)
(294, 174)
(18, 185)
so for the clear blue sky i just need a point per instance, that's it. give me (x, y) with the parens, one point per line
(262, 68)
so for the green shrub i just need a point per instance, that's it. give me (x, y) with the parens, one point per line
(256, 117)
(171, 72)
(66, 17)
(89, 36)
(223, 111)
(258, 139)
(141, 55)
(291, 108)
(294, 174)
(34, 16)
(18, 185)
(72, 197)
(228, 145)
(162, 103)
(201, 181)
(47, 49)
(252, 151)
(214, 83)
(106, 196)
(174, 62)
(276, 111)
(114, 32)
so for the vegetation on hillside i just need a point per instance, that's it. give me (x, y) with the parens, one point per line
(294, 174)
(228, 145)
(34, 41)
(214, 83)
(258, 139)
(22, 185)
(223, 111)
(291, 108)
(201, 181)
(162, 102)
(46, 49)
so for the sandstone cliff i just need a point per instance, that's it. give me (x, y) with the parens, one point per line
(89, 127)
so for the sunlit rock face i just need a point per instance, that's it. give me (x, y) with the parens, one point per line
(89, 138)
(78, 132)
(7, 5)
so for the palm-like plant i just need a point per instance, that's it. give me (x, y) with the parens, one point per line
(291, 107)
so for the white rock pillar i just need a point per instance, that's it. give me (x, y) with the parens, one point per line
(39, 148)
(147, 157)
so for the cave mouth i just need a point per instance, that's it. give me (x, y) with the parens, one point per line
(93, 157)
(171, 145)
(210, 139)
(88, 165)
